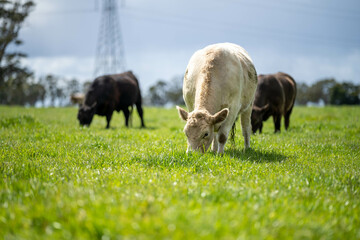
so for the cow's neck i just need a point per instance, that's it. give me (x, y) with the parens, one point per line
(205, 96)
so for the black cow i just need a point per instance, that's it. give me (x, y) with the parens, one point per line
(108, 93)
(275, 96)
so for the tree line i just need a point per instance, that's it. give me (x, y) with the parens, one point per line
(18, 85)
(327, 91)
(48, 90)
(53, 90)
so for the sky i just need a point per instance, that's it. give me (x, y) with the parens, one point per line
(308, 39)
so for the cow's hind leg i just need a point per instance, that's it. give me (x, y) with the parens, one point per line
(126, 114)
(277, 121)
(131, 115)
(246, 126)
(108, 119)
(287, 118)
(141, 113)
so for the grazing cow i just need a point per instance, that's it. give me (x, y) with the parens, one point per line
(219, 84)
(108, 93)
(275, 96)
(77, 98)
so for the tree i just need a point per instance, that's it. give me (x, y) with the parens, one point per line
(36, 92)
(60, 96)
(302, 93)
(86, 85)
(12, 15)
(13, 77)
(162, 92)
(321, 90)
(345, 93)
(73, 86)
(330, 91)
(51, 88)
(157, 93)
(174, 91)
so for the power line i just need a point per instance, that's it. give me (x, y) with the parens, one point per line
(280, 7)
(238, 27)
(341, 12)
(300, 8)
(67, 11)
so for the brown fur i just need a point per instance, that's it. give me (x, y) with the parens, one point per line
(275, 96)
(222, 138)
(109, 93)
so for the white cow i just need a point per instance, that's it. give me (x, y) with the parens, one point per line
(77, 98)
(219, 84)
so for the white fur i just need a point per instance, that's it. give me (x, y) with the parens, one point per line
(217, 77)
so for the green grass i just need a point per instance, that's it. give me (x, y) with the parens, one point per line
(61, 181)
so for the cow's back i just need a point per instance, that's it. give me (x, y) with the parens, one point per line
(219, 76)
(101, 90)
(128, 88)
(103, 94)
(289, 89)
(278, 90)
(269, 91)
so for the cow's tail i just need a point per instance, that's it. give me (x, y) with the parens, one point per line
(232, 133)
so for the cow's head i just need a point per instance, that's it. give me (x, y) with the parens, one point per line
(199, 128)
(86, 114)
(257, 117)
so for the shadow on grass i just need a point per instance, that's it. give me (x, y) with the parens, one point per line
(255, 155)
(203, 162)
(124, 128)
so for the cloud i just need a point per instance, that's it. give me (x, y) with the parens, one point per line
(342, 67)
(310, 68)
(68, 67)
(150, 66)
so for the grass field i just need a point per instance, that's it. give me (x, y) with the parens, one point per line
(60, 181)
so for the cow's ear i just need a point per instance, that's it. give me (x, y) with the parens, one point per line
(220, 116)
(182, 113)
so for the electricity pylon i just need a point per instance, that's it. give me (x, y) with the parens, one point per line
(110, 51)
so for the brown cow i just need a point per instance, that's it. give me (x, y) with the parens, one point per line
(275, 96)
(109, 93)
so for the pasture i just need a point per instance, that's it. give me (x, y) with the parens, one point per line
(61, 181)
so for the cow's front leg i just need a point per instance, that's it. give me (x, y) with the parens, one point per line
(215, 144)
(188, 150)
(224, 131)
(261, 127)
(222, 140)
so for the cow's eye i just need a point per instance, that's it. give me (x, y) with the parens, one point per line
(205, 135)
